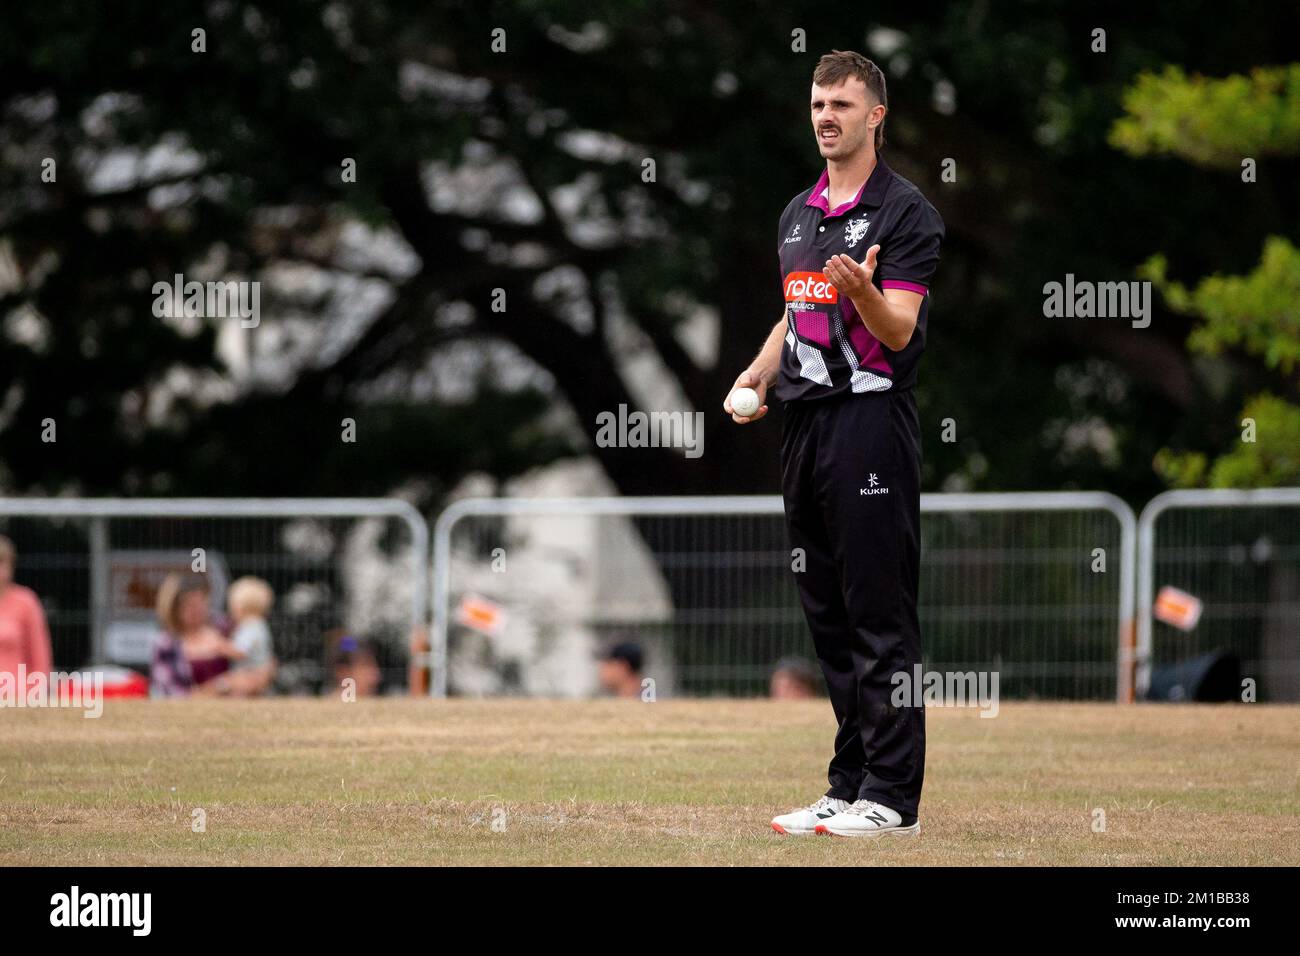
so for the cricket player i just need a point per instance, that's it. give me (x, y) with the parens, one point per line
(857, 253)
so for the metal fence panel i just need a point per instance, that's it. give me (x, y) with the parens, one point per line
(1008, 582)
(356, 565)
(1238, 552)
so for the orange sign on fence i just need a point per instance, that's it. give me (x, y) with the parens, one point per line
(1178, 608)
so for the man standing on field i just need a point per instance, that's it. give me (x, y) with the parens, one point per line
(857, 253)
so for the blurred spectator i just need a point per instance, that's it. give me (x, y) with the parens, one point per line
(354, 659)
(249, 601)
(620, 670)
(191, 657)
(793, 678)
(24, 635)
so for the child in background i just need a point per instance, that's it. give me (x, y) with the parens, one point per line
(354, 659)
(249, 601)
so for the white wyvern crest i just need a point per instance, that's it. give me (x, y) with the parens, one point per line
(854, 230)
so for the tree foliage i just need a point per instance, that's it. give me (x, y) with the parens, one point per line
(1215, 123)
(1211, 121)
(1258, 312)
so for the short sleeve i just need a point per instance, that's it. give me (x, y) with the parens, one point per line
(911, 254)
(254, 639)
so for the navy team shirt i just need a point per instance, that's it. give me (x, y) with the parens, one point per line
(828, 349)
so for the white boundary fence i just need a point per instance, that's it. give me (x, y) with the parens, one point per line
(1011, 502)
(1139, 544)
(1069, 501)
(1201, 552)
(100, 510)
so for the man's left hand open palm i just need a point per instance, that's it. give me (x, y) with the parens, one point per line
(851, 278)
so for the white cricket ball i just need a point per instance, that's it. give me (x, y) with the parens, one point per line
(744, 402)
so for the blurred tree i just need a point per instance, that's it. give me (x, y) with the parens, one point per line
(514, 164)
(1212, 122)
(1230, 123)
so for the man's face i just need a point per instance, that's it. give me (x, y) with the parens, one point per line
(842, 117)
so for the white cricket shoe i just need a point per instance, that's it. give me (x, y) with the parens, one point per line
(866, 818)
(803, 822)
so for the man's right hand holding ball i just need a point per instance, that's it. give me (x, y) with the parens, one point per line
(747, 379)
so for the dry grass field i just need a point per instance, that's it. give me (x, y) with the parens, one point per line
(399, 781)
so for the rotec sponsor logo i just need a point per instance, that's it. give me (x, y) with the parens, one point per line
(810, 287)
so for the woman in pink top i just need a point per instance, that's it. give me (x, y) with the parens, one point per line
(24, 636)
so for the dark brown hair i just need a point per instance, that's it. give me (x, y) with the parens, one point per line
(838, 65)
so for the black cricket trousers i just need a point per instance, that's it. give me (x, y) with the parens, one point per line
(851, 479)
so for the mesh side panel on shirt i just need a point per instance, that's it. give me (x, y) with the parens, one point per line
(860, 380)
(811, 364)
